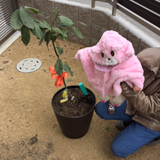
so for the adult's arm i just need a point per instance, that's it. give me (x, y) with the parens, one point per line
(141, 102)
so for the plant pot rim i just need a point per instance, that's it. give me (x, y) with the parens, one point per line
(74, 86)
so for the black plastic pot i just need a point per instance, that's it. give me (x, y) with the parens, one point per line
(74, 127)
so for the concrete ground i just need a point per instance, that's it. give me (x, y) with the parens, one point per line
(25, 110)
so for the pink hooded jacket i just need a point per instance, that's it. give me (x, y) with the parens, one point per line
(110, 62)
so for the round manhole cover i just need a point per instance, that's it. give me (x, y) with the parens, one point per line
(29, 65)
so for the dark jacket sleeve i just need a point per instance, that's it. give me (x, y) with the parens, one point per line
(145, 104)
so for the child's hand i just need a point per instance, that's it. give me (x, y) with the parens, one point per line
(135, 88)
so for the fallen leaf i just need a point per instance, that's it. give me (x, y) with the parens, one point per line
(107, 128)
(2, 69)
(69, 80)
(33, 139)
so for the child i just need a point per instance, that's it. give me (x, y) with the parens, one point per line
(110, 62)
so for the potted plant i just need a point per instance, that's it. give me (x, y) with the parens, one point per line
(71, 107)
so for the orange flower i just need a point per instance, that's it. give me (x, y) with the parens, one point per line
(59, 79)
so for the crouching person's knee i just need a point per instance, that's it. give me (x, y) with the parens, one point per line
(101, 110)
(118, 150)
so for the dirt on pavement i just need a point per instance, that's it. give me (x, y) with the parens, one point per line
(25, 110)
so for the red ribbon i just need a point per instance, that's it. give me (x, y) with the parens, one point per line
(59, 79)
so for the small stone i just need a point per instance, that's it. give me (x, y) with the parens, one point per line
(5, 62)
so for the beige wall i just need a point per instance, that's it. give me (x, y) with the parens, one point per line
(97, 19)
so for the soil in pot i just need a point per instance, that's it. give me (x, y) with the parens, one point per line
(72, 108)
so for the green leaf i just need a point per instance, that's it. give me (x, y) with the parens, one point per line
(37, 20)
(37, 31)
(35, 11)
(62, 37)
(44, 24)
(60, 50)
(70, 33)
(26, 18)
(15, 20)
(77, 32)
(55, 19)
(61, 24)
(53, 37)
(57, 30)
(44, 34)
(25, 35)
(47, 38)
(59, 67)
(67, 69)
(82, 23)
(63, 31)
(66, 21)
(55, 10)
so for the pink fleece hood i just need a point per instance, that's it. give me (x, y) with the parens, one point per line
(110, 62)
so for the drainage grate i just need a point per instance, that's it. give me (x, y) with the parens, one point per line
(29, 65)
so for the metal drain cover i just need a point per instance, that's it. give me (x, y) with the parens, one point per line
(29, 65)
